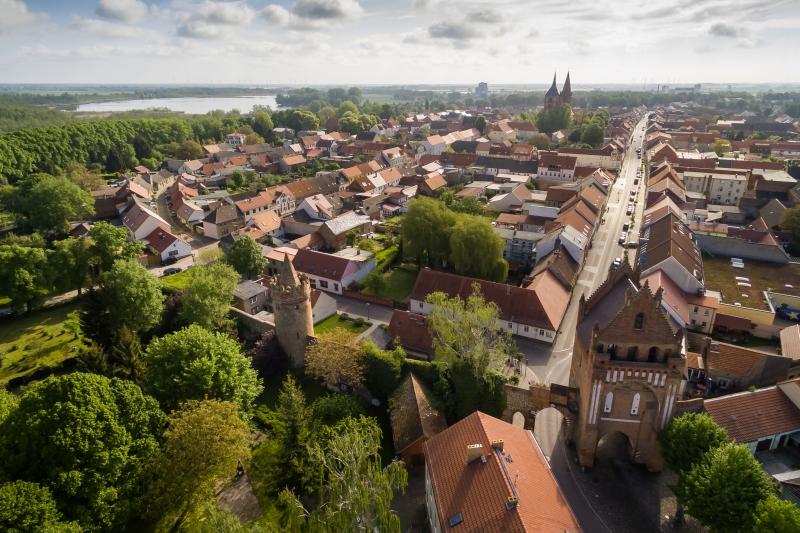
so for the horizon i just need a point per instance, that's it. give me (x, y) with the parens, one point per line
(406, 43)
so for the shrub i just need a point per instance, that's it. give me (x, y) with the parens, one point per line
(382, 369)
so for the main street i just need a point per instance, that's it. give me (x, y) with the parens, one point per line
(605, 248)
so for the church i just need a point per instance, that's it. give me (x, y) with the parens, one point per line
(552, 99)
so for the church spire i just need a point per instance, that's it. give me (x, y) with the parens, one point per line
(567, 90)
(553, 90)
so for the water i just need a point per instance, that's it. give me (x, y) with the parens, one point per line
(190, 105)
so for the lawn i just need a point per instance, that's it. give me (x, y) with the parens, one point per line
(721, 276)
(337, 321)
(397, 284)
(36, 340)
(176, 282)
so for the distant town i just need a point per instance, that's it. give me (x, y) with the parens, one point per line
(559, 310)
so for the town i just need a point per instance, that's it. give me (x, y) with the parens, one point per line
(398, 308)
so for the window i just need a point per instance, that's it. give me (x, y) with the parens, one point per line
(638, 322)
(652, 355)
(635, 405)
(609, 402)
(632, 351)
(336, 286)
(525, 329)
(323, 284)
(420, 305)
(510, 325)
(253, 300)
(705, 313)
(723, 383)
(695, 308)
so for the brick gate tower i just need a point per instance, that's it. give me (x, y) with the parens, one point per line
(294, 324)
(628, 365)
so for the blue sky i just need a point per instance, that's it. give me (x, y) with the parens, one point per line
(398, 41)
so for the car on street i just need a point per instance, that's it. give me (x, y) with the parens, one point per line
(625, 226)
(629, 211)
(631, 244)
(172, 270)
(623, 237)
(169, 261)
(617, 262)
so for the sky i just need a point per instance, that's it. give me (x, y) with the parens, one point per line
(322, 42)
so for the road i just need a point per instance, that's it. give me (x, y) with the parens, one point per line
(605, 248)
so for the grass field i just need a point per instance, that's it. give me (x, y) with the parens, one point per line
(336, 321)
(35, 341)
(397, 284)
(721, 276)
(176, 282)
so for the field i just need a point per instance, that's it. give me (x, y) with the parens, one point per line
(37, 340)
(176, 282)
(397, 284)
(721, 276)
(337, 321)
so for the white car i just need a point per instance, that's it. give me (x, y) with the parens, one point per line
(617, 262)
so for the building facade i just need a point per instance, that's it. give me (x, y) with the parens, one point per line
(294, 322)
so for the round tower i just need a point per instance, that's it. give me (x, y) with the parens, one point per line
(294, 323)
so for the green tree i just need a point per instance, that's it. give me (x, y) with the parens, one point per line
(725, 488)
(208, 297)
(292, 436)
(194, 363)
(720, 146)
(28, 507)
(85, 437)
(8, 402)
(110, 243)
(688, 438)
(355, 492)
(134, 295)
(347, 107)
(774, 515)
(480, 124)
(325, 114)
(540, 141)
(475, 233)
(188, 150)
(426, 232)
(203, 443)
(333, 408)
(335, 359)
(262, 124)
(245, 256)
(125, 359)
(83, 178)
(592, 134)
(48, 203)
(350, 122)
(24, 275)
(466, 336)
(70, 264)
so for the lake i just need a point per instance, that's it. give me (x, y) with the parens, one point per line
(190, 105)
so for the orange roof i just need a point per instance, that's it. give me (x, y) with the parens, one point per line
(479, 490)
(733, 360)
(267, 221)
(750, 416)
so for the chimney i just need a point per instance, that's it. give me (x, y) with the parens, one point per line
(474, 451)
(497, 444)
(511, 503)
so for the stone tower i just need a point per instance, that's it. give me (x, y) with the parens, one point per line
(628, 365)
(294, 324)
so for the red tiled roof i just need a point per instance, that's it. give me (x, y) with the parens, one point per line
(750, 416)
(320, 264)
(732, 323)
(411, 330)
(479, 490)
(160, 240)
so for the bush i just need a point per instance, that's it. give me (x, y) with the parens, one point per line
(382, 369)
(333, 408)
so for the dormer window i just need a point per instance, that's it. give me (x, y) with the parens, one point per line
(638, 322)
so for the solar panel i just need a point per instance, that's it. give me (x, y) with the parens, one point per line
(455, 520)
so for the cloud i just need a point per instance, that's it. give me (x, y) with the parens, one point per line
(280, 16)
(327, 9)
(122, 10)
(720, 29)
(212, 20)
(15, 14)
(487, 16)
(456, 31)
(105, 28)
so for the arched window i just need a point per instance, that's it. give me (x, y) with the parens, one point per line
(652, 355)
(632, 351)
(609, 402)
(638, 322)
(635, 405)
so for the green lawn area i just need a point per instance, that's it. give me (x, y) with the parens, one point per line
(4, 301)
(176, 282)
(34, 341)
(721, 276)
(336, 321)
(397, 284)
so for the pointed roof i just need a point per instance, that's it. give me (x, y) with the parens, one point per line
(288, 275)
(553, 90)
(567, 89)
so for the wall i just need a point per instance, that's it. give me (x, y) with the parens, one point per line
(727, 247)
(253, 326)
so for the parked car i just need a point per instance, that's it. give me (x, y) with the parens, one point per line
(617, 262)
(632, 244)
(623, 237)
(169, 261)
(625, 226)
(172, 270)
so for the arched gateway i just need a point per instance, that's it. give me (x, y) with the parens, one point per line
(627, 367)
